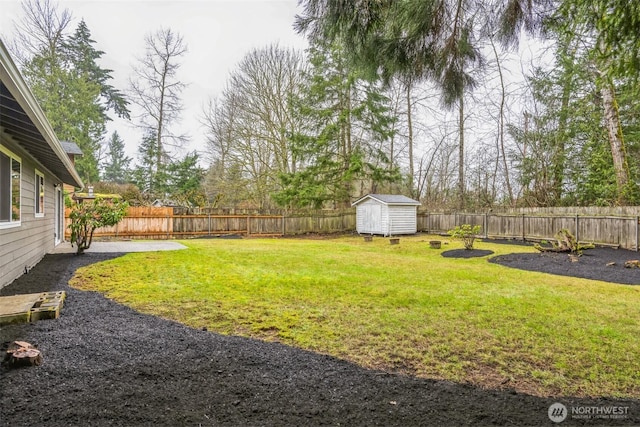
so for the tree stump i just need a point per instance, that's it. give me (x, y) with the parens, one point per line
(21, 353)
(632, 263)
(565, 242)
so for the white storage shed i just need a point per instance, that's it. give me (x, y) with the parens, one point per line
(386, 214)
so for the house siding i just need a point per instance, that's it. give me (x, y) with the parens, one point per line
(25, 245)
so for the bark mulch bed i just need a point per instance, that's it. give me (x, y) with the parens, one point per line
(466, 253)
(106, 364)
(604, 264)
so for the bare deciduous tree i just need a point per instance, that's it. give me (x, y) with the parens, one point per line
(249, 126)
(156, 89)
(41, 31)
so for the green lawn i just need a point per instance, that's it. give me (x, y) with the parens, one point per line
(402, 308)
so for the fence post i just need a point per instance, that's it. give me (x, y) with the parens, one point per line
(577, 232)
(209, 220)
(168, 227)
(485, 225)
(248, 225)
(524, 233)
(428, 223)
(283, 227)
(637, 232)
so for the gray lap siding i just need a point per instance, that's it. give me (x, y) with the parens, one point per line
(24, 245)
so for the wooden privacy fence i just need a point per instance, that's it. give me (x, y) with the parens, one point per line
(616, 231)
(163, 223)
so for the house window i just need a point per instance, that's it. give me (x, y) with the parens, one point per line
(10, 178)
(39, 192)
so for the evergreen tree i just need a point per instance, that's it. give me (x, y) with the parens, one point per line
(70, 86)
(565, 159)
(184, 183)
(81, 53)
(149, 179)
(116, 167)
(415, 40)
(607, 33)
(342, 144)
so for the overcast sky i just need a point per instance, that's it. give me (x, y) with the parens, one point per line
(218, 33)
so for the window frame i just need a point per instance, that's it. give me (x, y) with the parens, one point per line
(12, 158)
(39, 196)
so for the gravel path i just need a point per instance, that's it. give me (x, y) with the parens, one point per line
(108, 365)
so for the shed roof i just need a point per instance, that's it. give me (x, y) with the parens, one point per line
(24, 121)
(389, 199)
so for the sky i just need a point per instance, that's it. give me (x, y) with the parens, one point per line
(218, 33)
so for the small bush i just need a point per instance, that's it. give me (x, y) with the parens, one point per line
(89, 215)
(466, 233)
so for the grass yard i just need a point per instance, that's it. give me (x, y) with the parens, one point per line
(402, 308)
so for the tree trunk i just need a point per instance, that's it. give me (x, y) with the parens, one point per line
(21, 353)
(501, 127)
(410, 130)
(160, 129)
(461, 155)
(616, 140)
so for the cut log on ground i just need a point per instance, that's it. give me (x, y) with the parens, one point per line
(632, 263)
(565, 242)
(21, 353)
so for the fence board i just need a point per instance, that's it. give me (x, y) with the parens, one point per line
(162, 223)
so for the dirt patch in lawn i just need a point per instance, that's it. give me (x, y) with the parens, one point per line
(106, 364)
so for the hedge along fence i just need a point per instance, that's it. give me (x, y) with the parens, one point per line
(168, 223)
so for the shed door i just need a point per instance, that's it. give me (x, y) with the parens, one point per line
(371, 218)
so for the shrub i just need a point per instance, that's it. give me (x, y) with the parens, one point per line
(89, 215)
(466, 233)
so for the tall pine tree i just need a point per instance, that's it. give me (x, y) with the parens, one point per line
(341, 147)
(185, 178)
(72, 89)
(146, 176)
(116, 166)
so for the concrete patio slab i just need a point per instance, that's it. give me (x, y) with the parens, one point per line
(124, 246)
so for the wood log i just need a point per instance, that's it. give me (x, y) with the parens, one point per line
(21, 353)
(564, 242)
(632, 263)
(558, 249)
